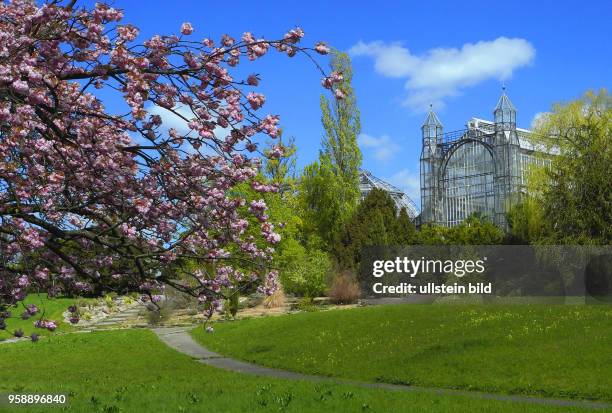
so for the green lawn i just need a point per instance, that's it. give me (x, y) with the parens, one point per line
(546, 350)
(132, 371)
(53, 309)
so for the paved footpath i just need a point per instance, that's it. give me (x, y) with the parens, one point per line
(179, 339)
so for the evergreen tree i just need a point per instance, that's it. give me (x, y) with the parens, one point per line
(406, 231)
(375, 223)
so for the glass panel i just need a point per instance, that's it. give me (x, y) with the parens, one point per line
(467, 184)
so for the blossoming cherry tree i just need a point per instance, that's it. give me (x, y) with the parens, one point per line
(96, 200)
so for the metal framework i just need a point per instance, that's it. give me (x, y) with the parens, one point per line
(480, 169)
(367, 182)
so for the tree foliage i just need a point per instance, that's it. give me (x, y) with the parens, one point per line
(281, 170)
(303, 267)
(570, 201)
(526, 221)
(342, 124)
(474, 230)
(329, 187)
(304, 270)
(374, 223)
(91, 197)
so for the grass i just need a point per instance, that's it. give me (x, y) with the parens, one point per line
(545, 350)
(132, 371)
(53, 309)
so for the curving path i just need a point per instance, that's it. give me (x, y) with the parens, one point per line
(179, 339)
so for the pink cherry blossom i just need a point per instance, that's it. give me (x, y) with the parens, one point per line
(31, 309)
(256, 100)
(322, 48)
(276, 152)
(47, 324)
(294, 35)
(329, 81)
(21, 87)
(227, 40)
(97, 200)
(253, 80)
(186, 28)
(127, 33)
(23, 281)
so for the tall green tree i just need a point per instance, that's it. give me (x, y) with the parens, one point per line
(342, 124)
(281, 171)
(322, 208)
(571, 200)
(303, 267)
(329, 187)
(375, 223)
(283, 204)
(406, 231)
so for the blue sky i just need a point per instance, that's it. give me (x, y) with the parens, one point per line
(407, 54)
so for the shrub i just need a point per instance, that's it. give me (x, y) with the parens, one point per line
(110, 303)
(278, 299)
(307, 304)
(344, 289)
(304, 271)
(231, 304)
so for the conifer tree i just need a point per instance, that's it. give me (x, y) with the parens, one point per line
(406, 231)
(374, 224)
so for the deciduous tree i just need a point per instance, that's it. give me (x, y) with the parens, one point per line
(571, 200)
(90, 196)
(329, 188)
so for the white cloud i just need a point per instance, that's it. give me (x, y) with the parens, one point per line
(443, 72)
(383, 148)
(538, 119)
(171, 120)
(174, 121)
(409, 182)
